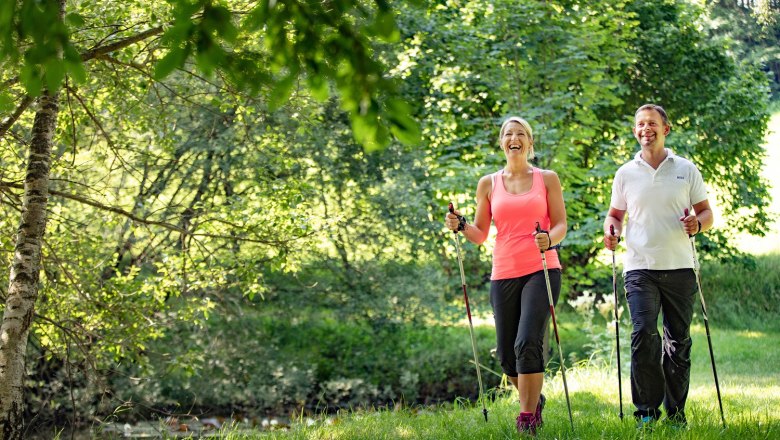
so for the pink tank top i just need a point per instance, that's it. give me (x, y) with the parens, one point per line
(515, 216)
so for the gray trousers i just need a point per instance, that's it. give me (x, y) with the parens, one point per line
(660, 367)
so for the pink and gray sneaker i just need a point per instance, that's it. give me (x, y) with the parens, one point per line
(539, 408)
(527, 423)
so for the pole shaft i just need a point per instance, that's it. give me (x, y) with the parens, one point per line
(707, 329)
(617, 332)
(471, 326)
(557, 338)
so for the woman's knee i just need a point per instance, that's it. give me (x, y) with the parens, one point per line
(530, 358)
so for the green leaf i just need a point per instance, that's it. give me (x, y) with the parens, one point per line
(75, 20)
(318, 87)
(6, 102)
(384, 26)
(76, 71)
(55, 73)
(171, 61)
(406, 130)
(282, 91)
(220, 20)
(32, 79)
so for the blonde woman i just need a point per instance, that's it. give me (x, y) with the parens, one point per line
(515, 198)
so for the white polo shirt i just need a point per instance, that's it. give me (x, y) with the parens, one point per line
(654, 200)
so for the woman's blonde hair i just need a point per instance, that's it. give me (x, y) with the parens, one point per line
(526, 126)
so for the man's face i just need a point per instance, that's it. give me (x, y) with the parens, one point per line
(649, 129)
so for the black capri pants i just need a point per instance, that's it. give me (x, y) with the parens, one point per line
(521, 310)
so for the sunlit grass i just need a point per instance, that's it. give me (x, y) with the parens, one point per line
(748, 364)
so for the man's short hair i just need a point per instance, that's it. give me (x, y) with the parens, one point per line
(657, 108)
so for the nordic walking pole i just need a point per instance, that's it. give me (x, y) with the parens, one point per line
(555, 328)
(706, 323)
(617, 319)
(468, 313)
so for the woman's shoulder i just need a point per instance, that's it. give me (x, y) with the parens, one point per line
(488, 178)
(550, 177)
(485, 184)
(548, 174)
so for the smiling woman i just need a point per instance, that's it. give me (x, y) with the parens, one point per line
(526, 205)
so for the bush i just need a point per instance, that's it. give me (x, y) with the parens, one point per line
(259, 363)
(743, 294)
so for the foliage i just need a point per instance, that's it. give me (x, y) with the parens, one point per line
(154, 201)
(743, 294)
(579, 95)
(213, 196)
(251, 45)
(252, 362)
(751, 34)
(718, 118)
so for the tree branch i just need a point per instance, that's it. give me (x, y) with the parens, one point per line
(161, 224)
(105, 134)
(120, 44)
(10, 120)
(86, 56)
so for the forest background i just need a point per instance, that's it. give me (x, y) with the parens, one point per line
(241, 203)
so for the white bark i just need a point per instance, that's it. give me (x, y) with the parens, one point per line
(23, 286)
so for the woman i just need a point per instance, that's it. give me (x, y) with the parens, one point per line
(515, 198)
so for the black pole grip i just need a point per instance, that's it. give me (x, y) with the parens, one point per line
(685, 212)
(451, 208)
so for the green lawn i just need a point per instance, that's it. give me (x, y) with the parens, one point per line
(748, 365)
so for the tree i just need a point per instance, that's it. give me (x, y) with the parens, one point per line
(579, 95)
(261, 49)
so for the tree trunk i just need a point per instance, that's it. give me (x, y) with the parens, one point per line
(23, 286)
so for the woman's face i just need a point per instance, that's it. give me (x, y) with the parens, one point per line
(515, 140)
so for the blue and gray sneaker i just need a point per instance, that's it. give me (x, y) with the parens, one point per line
(645, 422)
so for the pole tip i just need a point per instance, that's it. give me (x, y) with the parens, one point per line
(484, 412)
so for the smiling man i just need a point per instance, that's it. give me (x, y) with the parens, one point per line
(655, 189)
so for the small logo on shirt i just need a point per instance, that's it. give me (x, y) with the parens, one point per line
(680, 177)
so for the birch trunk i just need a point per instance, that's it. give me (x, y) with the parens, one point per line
(23, 286)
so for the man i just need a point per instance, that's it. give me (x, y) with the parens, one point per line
(655, 189)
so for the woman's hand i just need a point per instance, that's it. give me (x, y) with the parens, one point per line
(543, 240)
(452, 221)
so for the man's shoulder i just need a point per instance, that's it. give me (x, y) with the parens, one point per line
(682, 160)
(627, 167)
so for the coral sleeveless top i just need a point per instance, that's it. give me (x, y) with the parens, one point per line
(515, 216)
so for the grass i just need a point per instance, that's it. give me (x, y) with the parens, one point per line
(748, 365)
(744, 337)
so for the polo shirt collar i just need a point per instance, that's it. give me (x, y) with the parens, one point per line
(669, 156)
